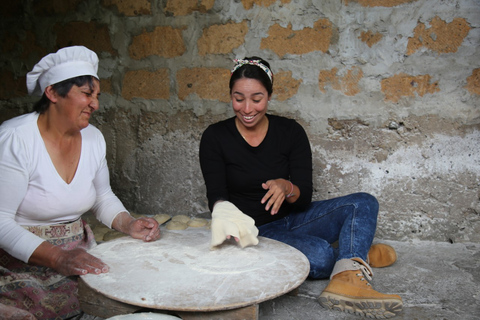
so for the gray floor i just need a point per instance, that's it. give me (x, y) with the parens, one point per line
(435, 281)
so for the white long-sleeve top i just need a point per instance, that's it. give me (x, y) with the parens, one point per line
(33, 193)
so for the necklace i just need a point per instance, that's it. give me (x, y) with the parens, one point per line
(258, 134)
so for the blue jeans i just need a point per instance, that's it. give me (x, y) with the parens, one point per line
(351, 220)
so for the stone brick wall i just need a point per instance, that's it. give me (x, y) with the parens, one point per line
(387, 90)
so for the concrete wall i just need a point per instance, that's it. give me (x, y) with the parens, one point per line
(387, 90)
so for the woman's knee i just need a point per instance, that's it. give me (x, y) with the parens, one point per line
(321, 256)
(322, 267)
(319, 252)
(366, 200)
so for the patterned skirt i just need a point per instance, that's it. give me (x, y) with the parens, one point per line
(40, 290)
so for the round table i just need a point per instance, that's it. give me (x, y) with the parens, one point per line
(181, 272)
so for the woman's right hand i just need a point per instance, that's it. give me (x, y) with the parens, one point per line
(78, 262)
(67, 262)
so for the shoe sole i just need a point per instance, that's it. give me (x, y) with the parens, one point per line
(370, 308)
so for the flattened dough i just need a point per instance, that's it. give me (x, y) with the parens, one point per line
(197, 222)
(228, 220)
(181, 218)
(176, 225)
(113, 234)
(161, 218)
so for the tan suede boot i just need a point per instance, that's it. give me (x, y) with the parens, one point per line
(349, 291)
(381, 255)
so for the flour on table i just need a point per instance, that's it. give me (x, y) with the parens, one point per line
(193, 277)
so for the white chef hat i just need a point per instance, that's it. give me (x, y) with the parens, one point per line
(66, 63)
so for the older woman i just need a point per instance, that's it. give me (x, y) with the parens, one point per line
(260, 165)
(53, 169)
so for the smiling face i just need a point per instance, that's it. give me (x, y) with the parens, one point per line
(77, 106)
(250, 102)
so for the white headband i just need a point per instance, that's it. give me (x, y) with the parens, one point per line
(66, 63)
(239, 63)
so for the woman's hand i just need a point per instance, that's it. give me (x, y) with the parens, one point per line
(79, 262)
(67, 262)
(144, 228)
(276, 194)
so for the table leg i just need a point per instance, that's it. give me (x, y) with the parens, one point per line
(96, 304)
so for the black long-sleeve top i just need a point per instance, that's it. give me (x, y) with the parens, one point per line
(234, 171)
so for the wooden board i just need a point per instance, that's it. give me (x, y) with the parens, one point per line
(180, 272)
(96, 304)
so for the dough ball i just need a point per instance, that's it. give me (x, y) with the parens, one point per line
(176, 225)
(197, 222)
(99, 232)
(135, 215)
(113, 234)
(161, 218)
(181, 218)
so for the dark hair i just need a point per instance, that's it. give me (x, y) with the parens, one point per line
(253, 72)
(62, 88)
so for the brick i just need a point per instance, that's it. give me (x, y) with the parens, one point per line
(130, 8)
(162, 41)
(370, 38)
(403, 85)
(284, 40)
(284, 85)
(326, 77)
(54, 7)
(24, 45)
(348, 84)
(347, 124)
(441, 37)
(221, 39)
(9, 42)
(185, 7)
(11, 9)
(30, 47)
(12, 87)
(379, 3)
(473, 82)
(146, 84)
(206, 83)
(248, 4)
(92, 35)
(106, 85)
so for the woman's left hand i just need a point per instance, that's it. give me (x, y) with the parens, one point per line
(144, 228)
(276, 194)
